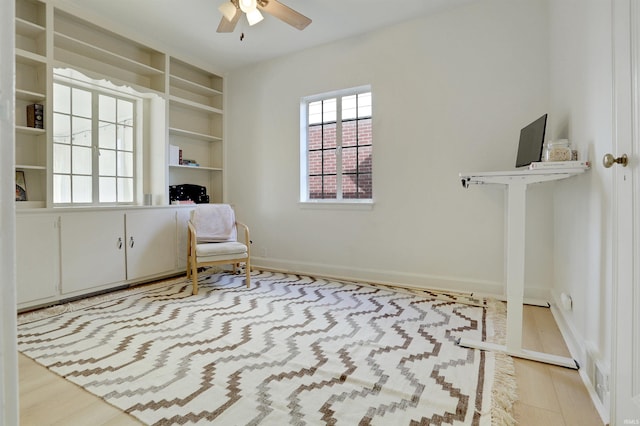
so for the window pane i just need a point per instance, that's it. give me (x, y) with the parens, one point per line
(61, 189)
(125, 190)
(125, 164)
(364, 105)
(349, 133)
(350, 186)
(365, 186)
(81, 102)
(315, 163)
(82, 192)
(107, 135)
(107, 108)
(125, 112)
(61, 128)
(315, 187)
(61, 158)
(330, 161)
(315, 112)
(108, 190)
(329, 187)
(329, 108)
(329, 135)
(364, 159)
(81, 161)
(61, 98)
(107, 164)
(81, 131)
(125, 138)
(349, 107)
(349, 160)
(365, 135)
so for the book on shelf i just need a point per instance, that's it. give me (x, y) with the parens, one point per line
(174, 155)
(542, 165)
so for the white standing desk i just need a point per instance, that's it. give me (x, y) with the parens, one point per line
(516, 184)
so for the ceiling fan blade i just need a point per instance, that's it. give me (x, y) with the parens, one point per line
(284, 13)
(226, 26)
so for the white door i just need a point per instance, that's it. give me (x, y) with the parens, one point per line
(92, 250)
(37, 264)
(151, 243)
(625, 389)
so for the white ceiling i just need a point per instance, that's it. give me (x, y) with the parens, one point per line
(188, 27)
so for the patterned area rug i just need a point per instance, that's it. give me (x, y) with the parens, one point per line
(289, 350)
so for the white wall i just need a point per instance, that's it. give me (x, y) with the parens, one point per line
(450, 94)
(9, 414)
(581, 107)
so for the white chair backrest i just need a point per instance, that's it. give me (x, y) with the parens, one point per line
(214, 223)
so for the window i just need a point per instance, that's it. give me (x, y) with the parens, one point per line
(336, 146)
(93, 146)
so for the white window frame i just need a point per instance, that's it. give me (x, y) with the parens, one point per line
(72, 78)
(305, 201)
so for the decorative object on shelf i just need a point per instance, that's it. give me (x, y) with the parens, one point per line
(231, 13)
(559, 150)
(21, 186)
(35, 116)
(188, 192)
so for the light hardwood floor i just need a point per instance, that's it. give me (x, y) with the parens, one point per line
(547, 395)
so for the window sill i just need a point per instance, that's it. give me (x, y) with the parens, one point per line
(337, 205)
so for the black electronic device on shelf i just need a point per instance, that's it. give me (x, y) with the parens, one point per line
(188, 192)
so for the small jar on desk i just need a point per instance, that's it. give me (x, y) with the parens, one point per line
(559, 150)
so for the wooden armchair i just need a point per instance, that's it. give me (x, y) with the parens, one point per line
(212, 240)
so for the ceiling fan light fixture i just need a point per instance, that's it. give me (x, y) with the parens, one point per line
(254, 16)
(248, 6)
(228, 10)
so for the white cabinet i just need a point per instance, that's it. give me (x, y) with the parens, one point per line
(92, 250)
(102, 249)
(151, 243)
(37, 251)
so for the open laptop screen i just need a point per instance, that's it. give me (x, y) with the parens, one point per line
(531, 142)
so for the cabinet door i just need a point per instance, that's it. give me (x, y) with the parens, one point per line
(37, 252)
(151, 243)
(92, 250)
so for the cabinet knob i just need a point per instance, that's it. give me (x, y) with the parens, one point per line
(131, 242)
(119, 244)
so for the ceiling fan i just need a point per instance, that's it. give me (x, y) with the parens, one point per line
(231, 13)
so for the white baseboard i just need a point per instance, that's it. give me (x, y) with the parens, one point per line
(581, 353)
(425, 281)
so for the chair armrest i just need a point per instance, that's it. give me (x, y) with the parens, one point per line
(247, 240)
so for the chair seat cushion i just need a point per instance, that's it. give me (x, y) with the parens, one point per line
(221, 249)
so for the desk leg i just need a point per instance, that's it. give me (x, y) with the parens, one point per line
(514, 257)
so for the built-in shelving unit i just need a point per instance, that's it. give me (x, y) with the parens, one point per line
(48, 37)
(195, 126)
(31, 88)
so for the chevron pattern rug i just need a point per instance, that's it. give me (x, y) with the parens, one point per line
(290, 350)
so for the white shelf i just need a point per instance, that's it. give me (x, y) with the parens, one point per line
(194, 135)
(28, 95)
(191, 86)
(195, 105)
(30, 130)
(80, 47)
(28, 28)
(29, 167)
(178, 166)
(29, 58)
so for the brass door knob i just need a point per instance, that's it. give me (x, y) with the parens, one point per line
(609, 160)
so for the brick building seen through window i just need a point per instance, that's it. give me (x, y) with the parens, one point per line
(339, 146)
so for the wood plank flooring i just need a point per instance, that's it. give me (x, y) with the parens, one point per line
(548, 395)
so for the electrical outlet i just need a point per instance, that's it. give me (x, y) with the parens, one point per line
(601, 383)
(264, 252)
